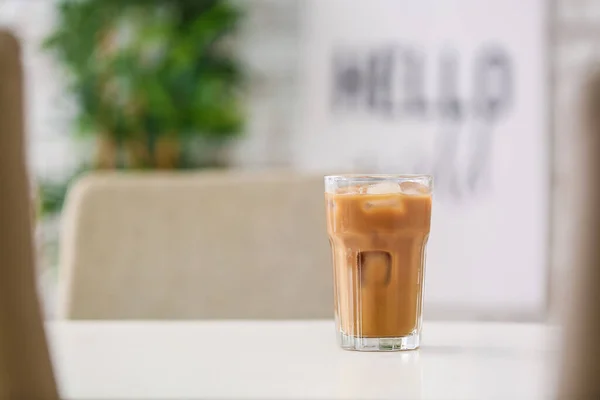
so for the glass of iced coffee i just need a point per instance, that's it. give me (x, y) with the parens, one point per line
(378, 227)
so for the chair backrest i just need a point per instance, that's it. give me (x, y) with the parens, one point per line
(195, 245)
(25, 369)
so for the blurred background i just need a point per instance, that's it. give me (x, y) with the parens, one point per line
(481, 94)
(181, 103)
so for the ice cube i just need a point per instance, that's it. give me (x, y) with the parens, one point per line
(391, 202)
(352, 189)
(413, 188)
(384, 188)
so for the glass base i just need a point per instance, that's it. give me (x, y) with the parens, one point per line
(410, 342)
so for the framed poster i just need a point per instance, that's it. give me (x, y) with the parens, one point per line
(457, 89)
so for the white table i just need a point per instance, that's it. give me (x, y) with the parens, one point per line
(298, 360)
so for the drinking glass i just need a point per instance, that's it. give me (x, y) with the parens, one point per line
(378, 227)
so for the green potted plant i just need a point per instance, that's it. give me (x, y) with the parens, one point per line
(151, 78)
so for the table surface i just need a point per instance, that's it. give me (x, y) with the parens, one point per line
(299, 360)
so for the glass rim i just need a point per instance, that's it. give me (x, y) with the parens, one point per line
(335, 182)
(378, 176)
(366, 178)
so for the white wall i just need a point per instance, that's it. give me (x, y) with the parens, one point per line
(270, 46)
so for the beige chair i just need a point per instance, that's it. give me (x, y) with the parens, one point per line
(25, 369)
(195, 245)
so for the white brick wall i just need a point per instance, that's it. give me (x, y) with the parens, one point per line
(269, 44)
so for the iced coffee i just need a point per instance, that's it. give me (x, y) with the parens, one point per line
(378, 228)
